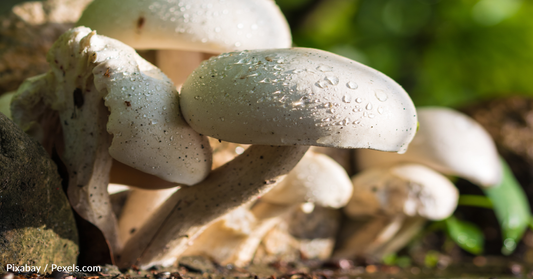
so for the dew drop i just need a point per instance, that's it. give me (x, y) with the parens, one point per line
(352, 85)
(333, 80)
(359, 100)
(347, 98)
(321, 84)
(369, 106)
(222, 119)
(381, 95)
(324, 68)
(380, 110)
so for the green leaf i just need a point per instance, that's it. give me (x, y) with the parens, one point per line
(511, 208)
(467, 235)
(475, 200)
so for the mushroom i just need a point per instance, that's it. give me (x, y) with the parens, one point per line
(109, 103)
(393, 200)
(141, 203)
(300, 234)
(181, 30)
(449, 142)
(281, 101)
(316, 179)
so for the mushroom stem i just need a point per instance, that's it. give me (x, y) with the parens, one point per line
(186, 213)
(411, 226)
(267, 215)
(178, 64)
(235, 238)
(140, 206)
(126, 175)
(370, 233)
(83, 145)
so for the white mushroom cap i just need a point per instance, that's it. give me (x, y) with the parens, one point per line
(317, 179)
(408, 189)
(297, 96)
(199, 25)
(148, 131)
(449, 142)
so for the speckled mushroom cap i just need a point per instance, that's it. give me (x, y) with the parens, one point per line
(449, 142)
(407, 189)
(297, 96)
(148, 131)
(316, 178)
(200, 25)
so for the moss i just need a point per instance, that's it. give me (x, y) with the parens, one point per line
(37, 226)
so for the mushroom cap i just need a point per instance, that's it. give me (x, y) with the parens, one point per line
(297, 96)
(148, 131)
(407, 189)
(449, 142)
(316, 178)
(201, 25)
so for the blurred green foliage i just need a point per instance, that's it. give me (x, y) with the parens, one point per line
(511, 208)
(443, 52)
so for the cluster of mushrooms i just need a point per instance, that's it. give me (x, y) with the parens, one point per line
(222, 168)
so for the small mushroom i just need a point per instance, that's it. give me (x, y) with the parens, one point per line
(393, 200)
(301, 234)
(316, 179)
(280, 101)
(449, 142)
(181, 30)
(107, 102)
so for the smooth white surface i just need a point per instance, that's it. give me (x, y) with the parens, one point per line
(297, 96)
(199, 25)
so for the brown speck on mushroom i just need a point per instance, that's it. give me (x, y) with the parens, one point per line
(106, 74)
(128, 103)
(78, 98)
(140, 23)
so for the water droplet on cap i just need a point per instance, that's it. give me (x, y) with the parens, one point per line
(324, 68)
(347, 98)
(352, 85)
(333, 80)
(321, 84)
(381, 95)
